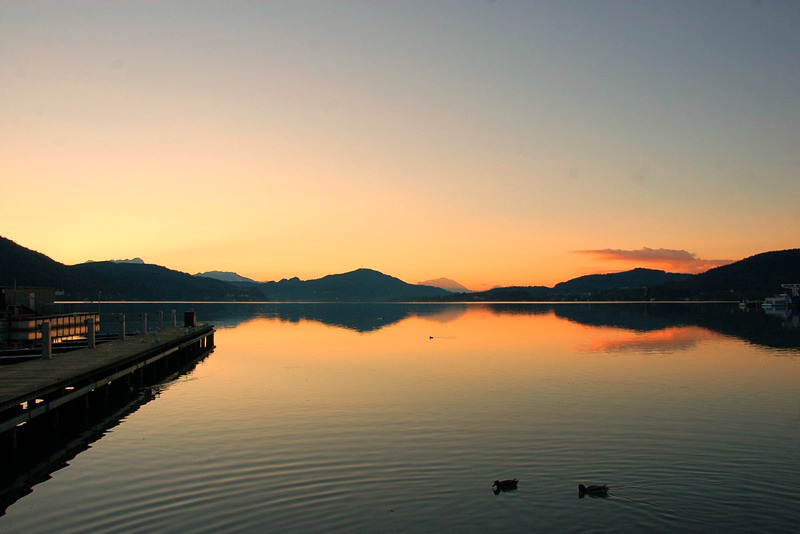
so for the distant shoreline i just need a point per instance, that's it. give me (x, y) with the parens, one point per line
(471, 302)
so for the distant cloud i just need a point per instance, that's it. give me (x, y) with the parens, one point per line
(681, 261)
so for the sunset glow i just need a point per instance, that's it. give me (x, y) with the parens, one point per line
(493, 143)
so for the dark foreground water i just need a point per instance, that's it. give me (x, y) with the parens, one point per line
(397, 418)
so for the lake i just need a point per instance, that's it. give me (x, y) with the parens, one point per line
(398, 418)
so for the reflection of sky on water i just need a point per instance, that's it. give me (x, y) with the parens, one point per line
(666, 340)
(645, 326)
(297, 406)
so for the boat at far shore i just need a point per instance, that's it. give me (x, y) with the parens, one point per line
(746, 304)
(778, 301)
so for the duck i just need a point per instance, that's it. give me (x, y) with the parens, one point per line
(502, 485)
(592, 489)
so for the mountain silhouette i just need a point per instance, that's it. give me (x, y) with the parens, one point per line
(358, 285)
(132, 260)
(635, 278)
(445, 283)
(136, 281)
(116, 281)
(754, 277)
(154, 282)
(225, 276)
(21, 266)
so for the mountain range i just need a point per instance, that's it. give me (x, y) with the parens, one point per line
(111, 280)
(751, 278)
(755, 277)
(20, 266)
(587, 287)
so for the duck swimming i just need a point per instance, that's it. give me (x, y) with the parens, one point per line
(592, 489)
(502, 485)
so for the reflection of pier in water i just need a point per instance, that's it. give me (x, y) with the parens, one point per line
(48, 443)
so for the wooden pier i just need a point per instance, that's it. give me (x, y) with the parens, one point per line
(36, 393)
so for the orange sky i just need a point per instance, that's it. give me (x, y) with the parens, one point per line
(494, 144)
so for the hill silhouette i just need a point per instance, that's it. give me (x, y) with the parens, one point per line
(122, 281)
(225, 276)
(25, 267)
(754, 277)
(445, 283)
(593, 286)
(358, 285)
(597, 283)
(137, 281)
(116, 281)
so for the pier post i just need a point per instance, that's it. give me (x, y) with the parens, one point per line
(47, 341)
(174, 318)
(91, 341)
(12, 441)
(160, 319)
(8, 446)
(82, 405)
(122, 326)
(54, 418)
(138, 378)
(144, 323)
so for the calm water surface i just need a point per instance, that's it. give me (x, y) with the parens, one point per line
(398, 418)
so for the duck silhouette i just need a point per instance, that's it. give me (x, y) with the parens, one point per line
(505, 485)
(593, 489)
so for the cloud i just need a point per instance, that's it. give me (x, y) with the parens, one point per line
(663, 258)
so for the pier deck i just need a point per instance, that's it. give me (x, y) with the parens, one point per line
(43, 385)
